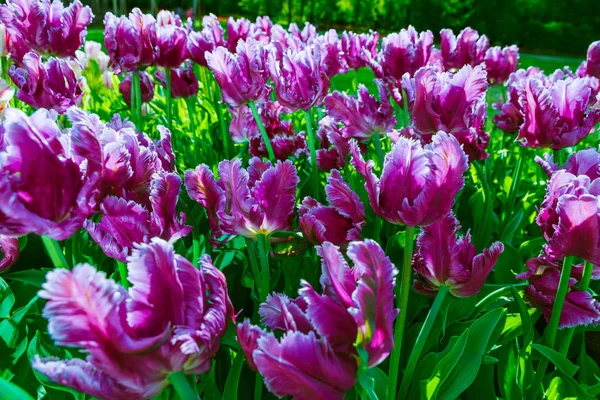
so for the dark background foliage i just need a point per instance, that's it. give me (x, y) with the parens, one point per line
(547, 26)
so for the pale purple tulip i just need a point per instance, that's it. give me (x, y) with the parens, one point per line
(237, 30)
(146, 87)
(358, 48)
(362, 116)
(500, 63)
(48, 84)
(306, 34)
(338, 223)
(591, 66)
(332, 59)
(443, 258)
(207, 40)
(259, 200)
(170, 320)
(171, 45)
(454, 103)
(468, 48)
(418, 184)
(184, 82)
(316, 357)
(44, 189)
(9, 250)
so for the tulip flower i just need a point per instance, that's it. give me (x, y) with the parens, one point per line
(123, 224)
(9, 249)
(5, 42)
(591, 66)
(580, 308)
(130, 41)
(451, 102)
(300, 81)
(418, 183)
(283, 139)
(500, 63)
(316, 357)
(333, 147)
(242, 75)
(241, 202)
(43, 188)
(570, 215)
(468, 48)
(48, 84)
(207, 40)
(146, 87)
(443, 258)
(332, 61)
(555, 114)
(339, 223)
(359, 48)
(44, 27)
(135, 339)
(237, 30)
(167, 18)
(261, 29)
(7, 92)
(402, 53)
(305, 35)
(362, 116)
(171, 45)
(184, 82)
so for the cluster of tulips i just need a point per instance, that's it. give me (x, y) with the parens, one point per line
(278, 233)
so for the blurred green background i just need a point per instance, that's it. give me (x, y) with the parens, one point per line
(564, 27)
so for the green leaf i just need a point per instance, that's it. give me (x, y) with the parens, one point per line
(233, 378)
(561, 362)
(9, 391)
(431, 386)
(33, 277)
(508, 370)
(511, 227)
(7, 299)
(381, 381)
(562, 387)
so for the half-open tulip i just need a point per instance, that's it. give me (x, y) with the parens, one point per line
(359, 48)
(184, 82)
(207, 40)
(500, 63)
(9, 249)
(468, 48)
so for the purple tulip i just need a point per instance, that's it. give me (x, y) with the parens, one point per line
(184, 82)
(207, 40)
(569, 216)
(242, 202)
(127, 159)
(237, 30)
(468, 48)
(500, 63)
(451, 102)
(333, 61)
(316, 357)
(555, 114)
(135, 339)
(281, 134)
(358, 49)
(242, 75)
(334, 148)
(43, 188)
(44, 27)
(9, 249)
(591, 66)
(171, 45)
(443, 258)
(124, 224)
(305, 35)
(418, 184)
(584, 162)
(130, 42)
(168, 18)
(402, 53)
(51, 84)
(300, 80)
(146, 87)
(579, 307)
(362, 116)
(261, 30)
(339, 223)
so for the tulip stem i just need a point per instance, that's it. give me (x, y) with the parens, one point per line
(402, 292)
(138, 98)
(551, 330)
(406, 113)
(263, 132)
(168, 98)
(421, 340)
(182, 386)
(516, 176)
(313, 155)
(123, 273)
(263, 255)
(254, 266)
(584, 285)
(258, 386)
(55, 252)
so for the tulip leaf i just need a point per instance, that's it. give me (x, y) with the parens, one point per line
(431, 386)
(10, 391)
(7, 299)
(562, 387)
(33, 277)
(556, 358)
(233, 378)
(511, 227)
(508, 372)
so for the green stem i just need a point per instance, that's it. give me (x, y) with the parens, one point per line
(488, 205)
(551, 330)
(133, 100)
(406, 113)
(513, 187)
(75, 249)
(138, 99)
(584, 285)
(224, 132)
(378, 149)
(168, 98)
(263, 256)
(254, 266)
(182, 386)
(421, 340)
(263, 132)
(402, 292)
(123, 273)
(313, 155)
(492, 297)
(55, 252)
(258, 386)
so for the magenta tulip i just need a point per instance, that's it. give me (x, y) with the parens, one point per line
(9, 249)
(467, 49)
(358, 49)
(500, 63)
(237, 30)
(184, 82)
(146, 87)
(171, 45)
(207, 40)
(334, 148)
